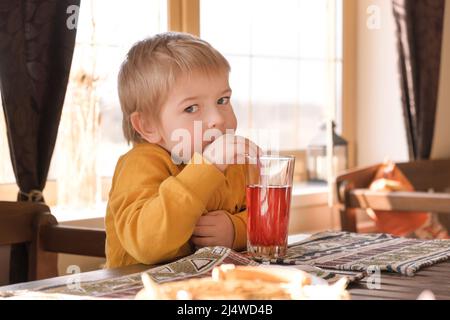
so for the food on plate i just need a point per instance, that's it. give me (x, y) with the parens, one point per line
(230, 282)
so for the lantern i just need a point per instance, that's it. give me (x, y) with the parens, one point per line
(316, 155)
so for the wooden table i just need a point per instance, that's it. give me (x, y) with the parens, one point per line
(392, 286)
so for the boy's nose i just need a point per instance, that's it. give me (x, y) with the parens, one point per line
(215, 119)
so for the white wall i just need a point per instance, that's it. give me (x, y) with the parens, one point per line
(380, 129)
(441, 141)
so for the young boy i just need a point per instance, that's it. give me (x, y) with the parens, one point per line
(170, 197)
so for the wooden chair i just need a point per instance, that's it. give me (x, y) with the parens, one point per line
(430, 178)
(33, 238)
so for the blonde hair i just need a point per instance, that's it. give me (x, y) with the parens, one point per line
(152, 67)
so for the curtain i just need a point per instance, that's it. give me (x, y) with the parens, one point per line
(36, 46)
(419, 32)
(37, 39)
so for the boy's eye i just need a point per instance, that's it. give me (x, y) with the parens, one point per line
(223, 100)
(191, 109)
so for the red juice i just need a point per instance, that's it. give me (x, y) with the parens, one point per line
(268, 215)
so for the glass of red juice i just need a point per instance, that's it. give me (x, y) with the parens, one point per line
(268, 195)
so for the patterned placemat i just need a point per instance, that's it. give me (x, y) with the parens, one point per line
(327, 255)
(359, 252)
(199, 264)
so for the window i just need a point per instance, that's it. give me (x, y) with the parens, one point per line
(90, 138)
(286, 60)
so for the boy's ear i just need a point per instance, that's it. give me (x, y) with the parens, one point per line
(147, 131)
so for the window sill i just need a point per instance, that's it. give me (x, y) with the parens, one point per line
(309, 194)
(304, 194)
(70, 214)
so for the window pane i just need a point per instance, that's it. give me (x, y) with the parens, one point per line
(226, 24)
(313, 17)
(90, 138)
(240, 99)
(313, 83)
(313, 99)
(279, 53)
(339, 29)
(275, 28)
(274, 102)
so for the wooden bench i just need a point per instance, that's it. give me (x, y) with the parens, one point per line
(430, 178)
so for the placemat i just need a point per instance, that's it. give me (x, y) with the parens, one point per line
(359, 252)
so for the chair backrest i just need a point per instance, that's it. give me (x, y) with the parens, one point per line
(31, 238)
(20, 224)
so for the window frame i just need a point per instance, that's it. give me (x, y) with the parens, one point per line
(184, 16)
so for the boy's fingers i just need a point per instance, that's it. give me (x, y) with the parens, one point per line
(204, 231)
(214, 213)
(206, 220)
(249, 147)
(240, 159)
(202, 241)
(250, 156)
(255, 148)
(241, 146)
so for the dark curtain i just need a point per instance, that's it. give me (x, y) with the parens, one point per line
(37, 40)
(419, 31)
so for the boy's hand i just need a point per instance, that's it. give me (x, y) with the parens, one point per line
(230, 149)
(213, 229)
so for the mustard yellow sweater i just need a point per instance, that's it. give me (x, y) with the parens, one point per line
(154, 205)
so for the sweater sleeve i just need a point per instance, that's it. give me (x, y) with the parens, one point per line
(240, 230)
(154, 212)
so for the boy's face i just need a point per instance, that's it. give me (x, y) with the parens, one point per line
(197, 105)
